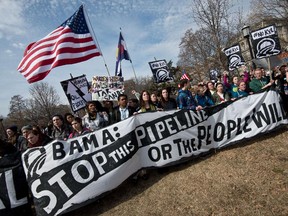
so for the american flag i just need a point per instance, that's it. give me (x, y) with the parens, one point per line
(70, 43)
(121, 53)
(184, 76)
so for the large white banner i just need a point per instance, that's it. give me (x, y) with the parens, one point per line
(65, 174)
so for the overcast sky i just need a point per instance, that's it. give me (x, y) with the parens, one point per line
(151, 29)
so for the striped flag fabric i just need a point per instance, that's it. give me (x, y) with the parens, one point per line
(121, 53)
(70, 43)
(184, 76)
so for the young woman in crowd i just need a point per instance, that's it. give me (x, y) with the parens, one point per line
(68, 118)
(220, 95)
(146, 104)
(36, 138)
(210, 90)
(241, 92)
(78, 128)
(231, 88)
(166, 101)
(44, 136)
(60, 129)
(95, 118)
(155, 101)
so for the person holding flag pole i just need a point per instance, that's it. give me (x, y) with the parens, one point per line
(122, 53)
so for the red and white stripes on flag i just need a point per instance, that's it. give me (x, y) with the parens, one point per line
(70, 43)
(184, 76)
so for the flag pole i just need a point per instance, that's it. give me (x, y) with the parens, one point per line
(130, 59)
(95, 39)
(269, 67)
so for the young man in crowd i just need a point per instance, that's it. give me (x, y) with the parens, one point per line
(259, 82)
(122, 111)
(185, 99)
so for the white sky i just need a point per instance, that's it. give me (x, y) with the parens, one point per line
(151, 29)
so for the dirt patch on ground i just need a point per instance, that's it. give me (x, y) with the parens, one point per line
(250, 178)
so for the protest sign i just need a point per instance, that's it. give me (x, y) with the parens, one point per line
(234, 55)
(107, 88)
(160, 71)
(265, 42)
(77, 92)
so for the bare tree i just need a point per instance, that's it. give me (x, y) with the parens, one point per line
(17, 110)
(269, 8)
(218, 25)
(212, 15)
(45, 99)
(196, 53)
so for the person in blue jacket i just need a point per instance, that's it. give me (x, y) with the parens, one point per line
(185, 99)
(202, 99)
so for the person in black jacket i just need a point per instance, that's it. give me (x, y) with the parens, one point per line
(122, 111)
(10, 161)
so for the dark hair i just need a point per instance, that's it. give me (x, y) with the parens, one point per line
(211, 83)
(219, 83)
(142, 103)
(78, 119)
(162, 98)
(183, 82)
(14, 128)
(134, 100)
(96, 103)
(122, 95)
(36, 132)
(67, 114)
(59, 116)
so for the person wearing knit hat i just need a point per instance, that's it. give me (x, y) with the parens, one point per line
(13, 128)
(16, 139)
(26, 130)
(11, 133)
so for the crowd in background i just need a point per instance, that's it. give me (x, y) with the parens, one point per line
(196, 97)
(101, 114)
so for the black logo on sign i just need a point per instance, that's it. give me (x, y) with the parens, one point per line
(36, 165)
(235, 60)
(163, 75)
(266, 47)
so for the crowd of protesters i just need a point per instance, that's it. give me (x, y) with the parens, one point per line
(197, 97)
(99, 115)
